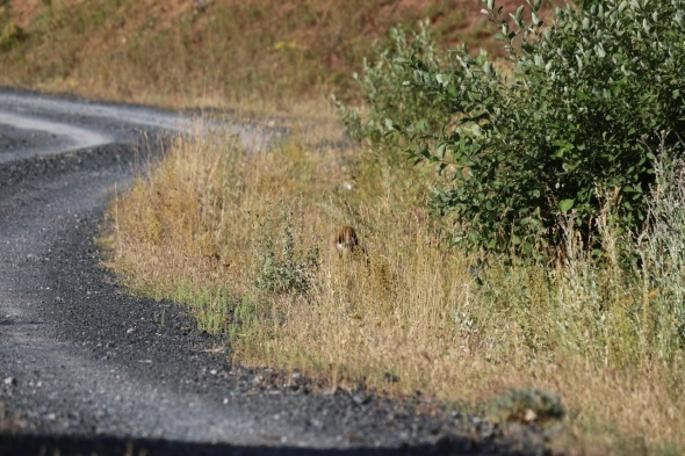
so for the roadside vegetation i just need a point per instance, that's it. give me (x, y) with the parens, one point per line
(208, 229)
(521, 221)
(521, 213)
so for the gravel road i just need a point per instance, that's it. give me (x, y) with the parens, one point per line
(87, 368)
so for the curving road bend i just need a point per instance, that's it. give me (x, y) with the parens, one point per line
(86, 367)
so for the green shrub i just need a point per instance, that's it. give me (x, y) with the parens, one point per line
(573, 114)
(387, 87)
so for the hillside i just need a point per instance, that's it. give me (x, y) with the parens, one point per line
(183, 52)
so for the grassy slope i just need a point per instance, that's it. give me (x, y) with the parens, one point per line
(182, 52)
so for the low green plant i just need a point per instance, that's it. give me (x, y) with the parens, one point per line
(241, 317)
(287, 271)
(10, 35)
(573, 113)
(526, 405)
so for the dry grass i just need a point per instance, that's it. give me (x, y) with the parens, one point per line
(222, 52)
(232, 235)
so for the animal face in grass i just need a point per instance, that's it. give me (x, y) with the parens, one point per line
(345, 240)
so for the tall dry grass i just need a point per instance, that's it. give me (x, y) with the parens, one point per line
(244, 240)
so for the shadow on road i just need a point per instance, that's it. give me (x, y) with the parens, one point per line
(24, 444)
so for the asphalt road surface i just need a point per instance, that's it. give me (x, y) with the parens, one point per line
(87, 368)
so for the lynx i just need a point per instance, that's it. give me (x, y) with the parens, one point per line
(345, 240)
(346, 243)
